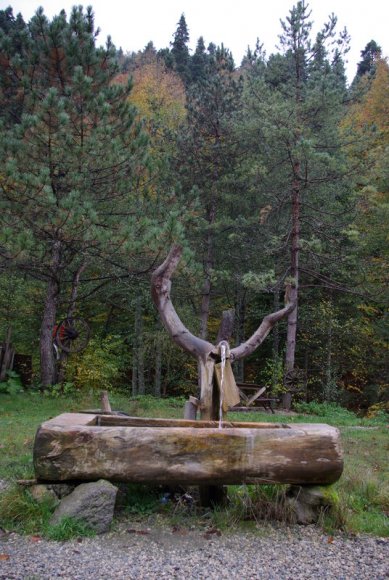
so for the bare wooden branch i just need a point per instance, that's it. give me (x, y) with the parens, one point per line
(261, 333)
(160, 291)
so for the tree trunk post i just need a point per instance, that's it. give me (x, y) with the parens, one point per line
(105, 404)
(190, 409)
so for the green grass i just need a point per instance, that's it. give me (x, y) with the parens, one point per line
(363, 489)
(21, 513)
(68, 529)
(21, 415)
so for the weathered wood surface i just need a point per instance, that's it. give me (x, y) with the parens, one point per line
(105, 404)
(205, 352)
(229, 391)
(190, 408)
(73, 447)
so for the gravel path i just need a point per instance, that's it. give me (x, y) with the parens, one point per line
(272, 553)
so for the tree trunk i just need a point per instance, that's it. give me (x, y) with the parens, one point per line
(294, 273)
(205, 352)
(328, 389)
(6, 355)
(47, 361)
(138, 380)
(276, 342)
(239, 335)
(134, 380)
(141, 351)
(158, 367)
(63, 357)
(206, 370)
(206, 291)
(135, 348)
(208, 265)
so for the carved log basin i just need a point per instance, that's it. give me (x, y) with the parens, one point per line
(81, 446)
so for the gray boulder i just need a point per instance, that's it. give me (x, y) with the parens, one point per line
(92, 503)
(307, 503)
(42, 493)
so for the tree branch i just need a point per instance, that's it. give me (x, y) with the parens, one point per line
(160, 292)
(261, 333)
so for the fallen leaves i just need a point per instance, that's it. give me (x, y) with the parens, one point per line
(212, 532)
(138, 532)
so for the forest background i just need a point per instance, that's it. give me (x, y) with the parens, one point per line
(270, 173)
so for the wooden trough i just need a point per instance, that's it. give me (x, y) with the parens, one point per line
(87, 447)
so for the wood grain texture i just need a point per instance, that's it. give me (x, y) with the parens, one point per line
(298, 454)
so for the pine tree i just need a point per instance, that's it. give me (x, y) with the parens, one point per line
(13, 38)
(199, 61)
(371, 53)
(72, 162)
(208, 154)
(297, 101)
(180, 50)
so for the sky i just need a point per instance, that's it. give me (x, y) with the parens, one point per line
(237, 24)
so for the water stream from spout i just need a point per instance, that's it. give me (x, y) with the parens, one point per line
(223, 352)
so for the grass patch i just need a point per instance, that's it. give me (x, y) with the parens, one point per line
(364, 486)
(68, 529)
(21, 415)
(21, 513)
(363, 489)
(141, 500)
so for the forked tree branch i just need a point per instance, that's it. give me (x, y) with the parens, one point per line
(160, 292)
(261, 333)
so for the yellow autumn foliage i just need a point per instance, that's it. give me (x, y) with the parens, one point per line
(158, 94)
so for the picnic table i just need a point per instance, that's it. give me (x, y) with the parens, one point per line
(251, 396)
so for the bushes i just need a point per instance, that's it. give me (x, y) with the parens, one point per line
(12, 385)
(100, 366)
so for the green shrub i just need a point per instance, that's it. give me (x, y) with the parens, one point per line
(141, 499)
(12, 385)
(100, 366)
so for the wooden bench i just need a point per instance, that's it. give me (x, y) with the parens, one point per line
(251, 398)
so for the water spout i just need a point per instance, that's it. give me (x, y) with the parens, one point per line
(223, 346)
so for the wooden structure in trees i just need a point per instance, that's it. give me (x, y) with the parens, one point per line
(253, 398)
(10, 360)
(208, 452)
(206, 353)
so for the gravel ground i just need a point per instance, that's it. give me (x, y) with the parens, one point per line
(271, 553)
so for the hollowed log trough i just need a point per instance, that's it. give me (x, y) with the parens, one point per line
(88, 447)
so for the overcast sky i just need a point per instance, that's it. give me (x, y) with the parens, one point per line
(235, 23)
